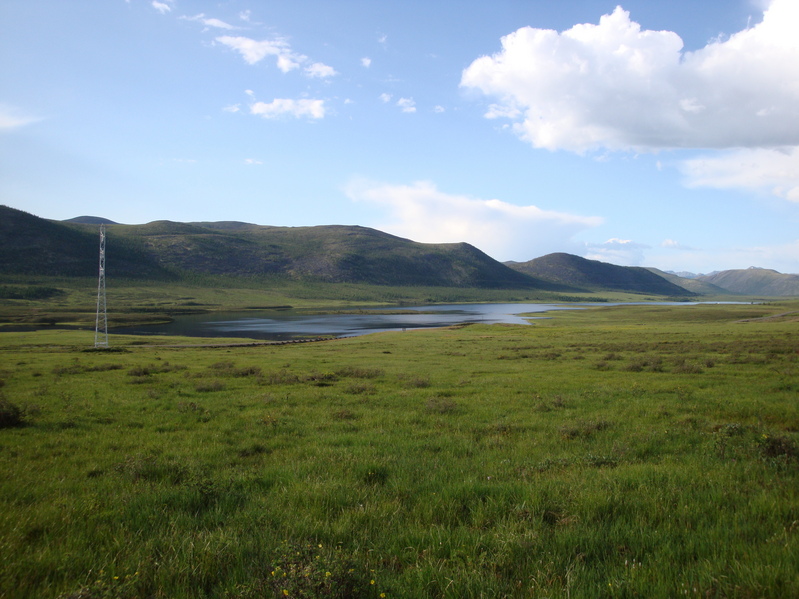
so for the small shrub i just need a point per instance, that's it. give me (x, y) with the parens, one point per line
(280, 377)
(779, 447)
(252, 450)
(373, 475)
(684, 367)
(441, 405)
(361, 389)
(310, 570)
(554, 464)
(321, 379)
(139, 371)
(10, 414)
(344, 415)
(229, 369)
(583, 430)
(104, 367)
(414, 382)
(636, 365)
(209, 386)
(360, 373)
(71, 369)
(105, 585)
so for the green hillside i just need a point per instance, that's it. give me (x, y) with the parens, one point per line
(568, 269)
(693, 285)
(36, 246)
(755, 281)
(165, 249)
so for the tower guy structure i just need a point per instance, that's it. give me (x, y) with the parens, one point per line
(101, 322)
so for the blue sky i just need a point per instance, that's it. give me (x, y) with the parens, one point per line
(658, 134)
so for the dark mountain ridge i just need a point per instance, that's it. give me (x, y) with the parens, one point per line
(165, 249)
(568, 269)
(755, 281)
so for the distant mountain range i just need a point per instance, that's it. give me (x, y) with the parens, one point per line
(754, 281)
(166, 250)
(574, 271)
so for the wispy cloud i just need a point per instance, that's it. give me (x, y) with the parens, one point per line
(210, 22)
(617, 251)
(772, 171)
(14, 118)
(407, 104)
(254, 51)
(162, 7)
(671, 244)
(282, 107)
(252, 162)
(366, 62)
(505, 231)
(320, 70)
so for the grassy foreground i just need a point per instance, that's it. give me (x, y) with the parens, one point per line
(613, 452)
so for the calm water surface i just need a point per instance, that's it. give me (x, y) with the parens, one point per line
(286, 324)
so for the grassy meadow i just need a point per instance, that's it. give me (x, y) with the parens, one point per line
(631, 451)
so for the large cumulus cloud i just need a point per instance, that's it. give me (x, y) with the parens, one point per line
(504, 231)
(614, 85)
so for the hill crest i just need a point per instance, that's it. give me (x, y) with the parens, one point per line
(569, 269)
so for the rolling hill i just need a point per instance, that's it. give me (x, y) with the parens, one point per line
(755, 281)
(568, 269)
(164, 250)
(33, 245)
(692, 284)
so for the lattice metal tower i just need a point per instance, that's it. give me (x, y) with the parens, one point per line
(101, 323)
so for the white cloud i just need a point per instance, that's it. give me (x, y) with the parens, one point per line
(209, 22)
(13, 118)
(385, 97)
(319, 70)
(279, 107)
(504, 231)
(161, 7)
(232, 108)
(254, 51)
(289, 61)
(366, 62)
(774, 171)
(616, 86)
(407, 104)
(617, 251)
(439, 109)
(674, 245)
(245, 15)
(252, 161)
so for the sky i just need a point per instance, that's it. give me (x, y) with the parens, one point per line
(637, 132)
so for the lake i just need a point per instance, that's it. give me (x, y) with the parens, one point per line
(289, 324)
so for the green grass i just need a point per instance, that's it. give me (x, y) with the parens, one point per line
(621, 451)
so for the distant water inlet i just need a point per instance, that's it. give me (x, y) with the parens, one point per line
(291, 324)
